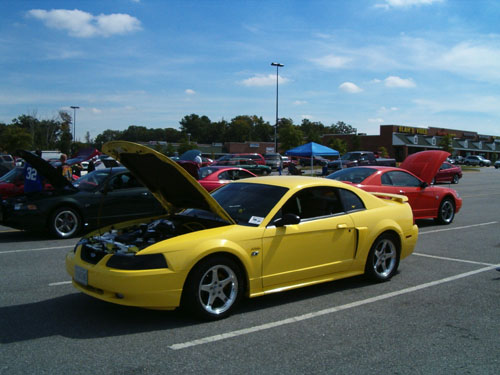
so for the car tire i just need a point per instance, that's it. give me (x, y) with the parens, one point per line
(65, 222)
(446, 211)
(455, 179)
(213, 288)
(383, 258)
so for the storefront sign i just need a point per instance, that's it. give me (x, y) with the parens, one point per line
(410, 130)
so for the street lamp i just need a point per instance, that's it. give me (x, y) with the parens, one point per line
(74, 121)
(277, 65)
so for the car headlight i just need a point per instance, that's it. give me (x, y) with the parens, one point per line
(137, 262)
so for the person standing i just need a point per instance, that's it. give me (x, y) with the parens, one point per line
(32, 179)
(65, 168)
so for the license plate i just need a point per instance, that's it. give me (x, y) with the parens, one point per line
(81, 275)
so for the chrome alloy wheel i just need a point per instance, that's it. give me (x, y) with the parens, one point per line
(384, 258)
(218, 289)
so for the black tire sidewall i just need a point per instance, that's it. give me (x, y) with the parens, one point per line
(440, 217)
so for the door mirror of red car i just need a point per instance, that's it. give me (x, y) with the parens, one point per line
(424, 184)
(287, 219)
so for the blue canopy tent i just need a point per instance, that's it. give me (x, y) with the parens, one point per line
(311, 149)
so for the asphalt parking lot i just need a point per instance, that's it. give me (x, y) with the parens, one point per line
(439, 315)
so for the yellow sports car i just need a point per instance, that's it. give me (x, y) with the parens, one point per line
(250, 238)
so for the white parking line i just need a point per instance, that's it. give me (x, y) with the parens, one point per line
(40, 249)
(60, 283)
(452, 259)
(331, 310)
(457, 228)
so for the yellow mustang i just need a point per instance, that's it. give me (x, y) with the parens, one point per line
(250, 238)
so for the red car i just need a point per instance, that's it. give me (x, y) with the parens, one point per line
(12, 183)
(213, 177)
(413, 180)
(448, 173)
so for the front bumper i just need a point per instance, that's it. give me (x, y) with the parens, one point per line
(154, 288)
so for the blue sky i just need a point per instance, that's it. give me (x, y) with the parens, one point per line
(150, 62)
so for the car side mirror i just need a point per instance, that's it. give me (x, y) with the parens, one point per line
(287, 219)
(424, 184)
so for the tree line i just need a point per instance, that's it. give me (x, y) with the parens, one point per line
(30, 133)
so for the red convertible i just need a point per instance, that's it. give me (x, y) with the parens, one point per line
(412, 179)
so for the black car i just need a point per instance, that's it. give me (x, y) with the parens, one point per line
(102, 197)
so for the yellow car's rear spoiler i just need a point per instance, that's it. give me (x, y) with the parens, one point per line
(392, 197)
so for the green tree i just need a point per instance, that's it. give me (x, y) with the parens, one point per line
(15, 138)
(290, 136)
(312, 130)
(198, 127)
(382, 151)
(338, 144)
(446, 143)
(107, 136)
(341, 128)
(240, 129)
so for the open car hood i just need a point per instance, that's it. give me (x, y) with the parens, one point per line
(425, 164)
(171, 184)
(54, 177)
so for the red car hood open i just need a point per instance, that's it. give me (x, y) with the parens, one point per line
(425, 164)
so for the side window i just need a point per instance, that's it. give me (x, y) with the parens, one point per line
(244, 174)
(224, 176)
(351, 201)
(400, 178)
(123, 181)
(386, 179)
(314, 202)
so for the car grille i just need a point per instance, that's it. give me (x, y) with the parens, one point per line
(91, 255)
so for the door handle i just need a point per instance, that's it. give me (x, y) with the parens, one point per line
(401, 192)
(341, 226)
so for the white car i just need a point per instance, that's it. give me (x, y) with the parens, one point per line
(497, 164)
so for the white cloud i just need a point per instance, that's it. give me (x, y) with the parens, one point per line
(190, 92)
(350, 88)
(95, 111)
(306, 117)
(263, 80)
(299, 102)
(331, 61)
(376, 120)
(85, 25)
(394, 81)
(406, 3)
(386, 110)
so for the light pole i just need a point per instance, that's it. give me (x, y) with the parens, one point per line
(74, 121)
(277, 65)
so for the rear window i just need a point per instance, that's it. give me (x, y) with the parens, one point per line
(6, 158)
(354, 175)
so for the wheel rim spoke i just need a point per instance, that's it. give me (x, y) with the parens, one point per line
(218, 289)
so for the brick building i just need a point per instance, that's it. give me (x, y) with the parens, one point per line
(401, 141)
